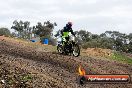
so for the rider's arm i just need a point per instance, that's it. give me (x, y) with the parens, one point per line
(72, 32)
(62, 32)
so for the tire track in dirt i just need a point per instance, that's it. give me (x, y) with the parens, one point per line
(66, 62)
(47, 77)
(69, 64)
(106, 66)
(69, 72)
(42, 72)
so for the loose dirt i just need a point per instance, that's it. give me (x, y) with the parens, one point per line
(29, 67)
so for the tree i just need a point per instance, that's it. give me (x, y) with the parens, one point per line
(95, 36)
(103, 35)
(18, 27)
(4, 31)
(23, 28)
(84, 35)
(44, 30)
(27, 30)
(110, 40)
(130, 37)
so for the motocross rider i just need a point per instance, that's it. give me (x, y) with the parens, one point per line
(65, 32)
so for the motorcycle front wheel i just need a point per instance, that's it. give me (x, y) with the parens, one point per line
(76, 50)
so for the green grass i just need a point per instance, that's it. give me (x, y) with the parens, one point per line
(121, 57)
(27, 77)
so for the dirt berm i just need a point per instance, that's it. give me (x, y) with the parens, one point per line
(51, 70)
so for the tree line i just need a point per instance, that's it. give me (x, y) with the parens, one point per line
(110, 39)
(24, 30)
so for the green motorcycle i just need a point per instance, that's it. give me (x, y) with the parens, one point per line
(69, 47)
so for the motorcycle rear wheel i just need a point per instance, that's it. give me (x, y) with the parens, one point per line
(60, 49)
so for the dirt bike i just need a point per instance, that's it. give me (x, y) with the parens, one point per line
(69, 47)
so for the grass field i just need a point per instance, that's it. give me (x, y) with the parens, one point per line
(121, 57)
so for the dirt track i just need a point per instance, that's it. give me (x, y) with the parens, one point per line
(48, 69)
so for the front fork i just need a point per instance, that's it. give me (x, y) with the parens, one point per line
(70, 46)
